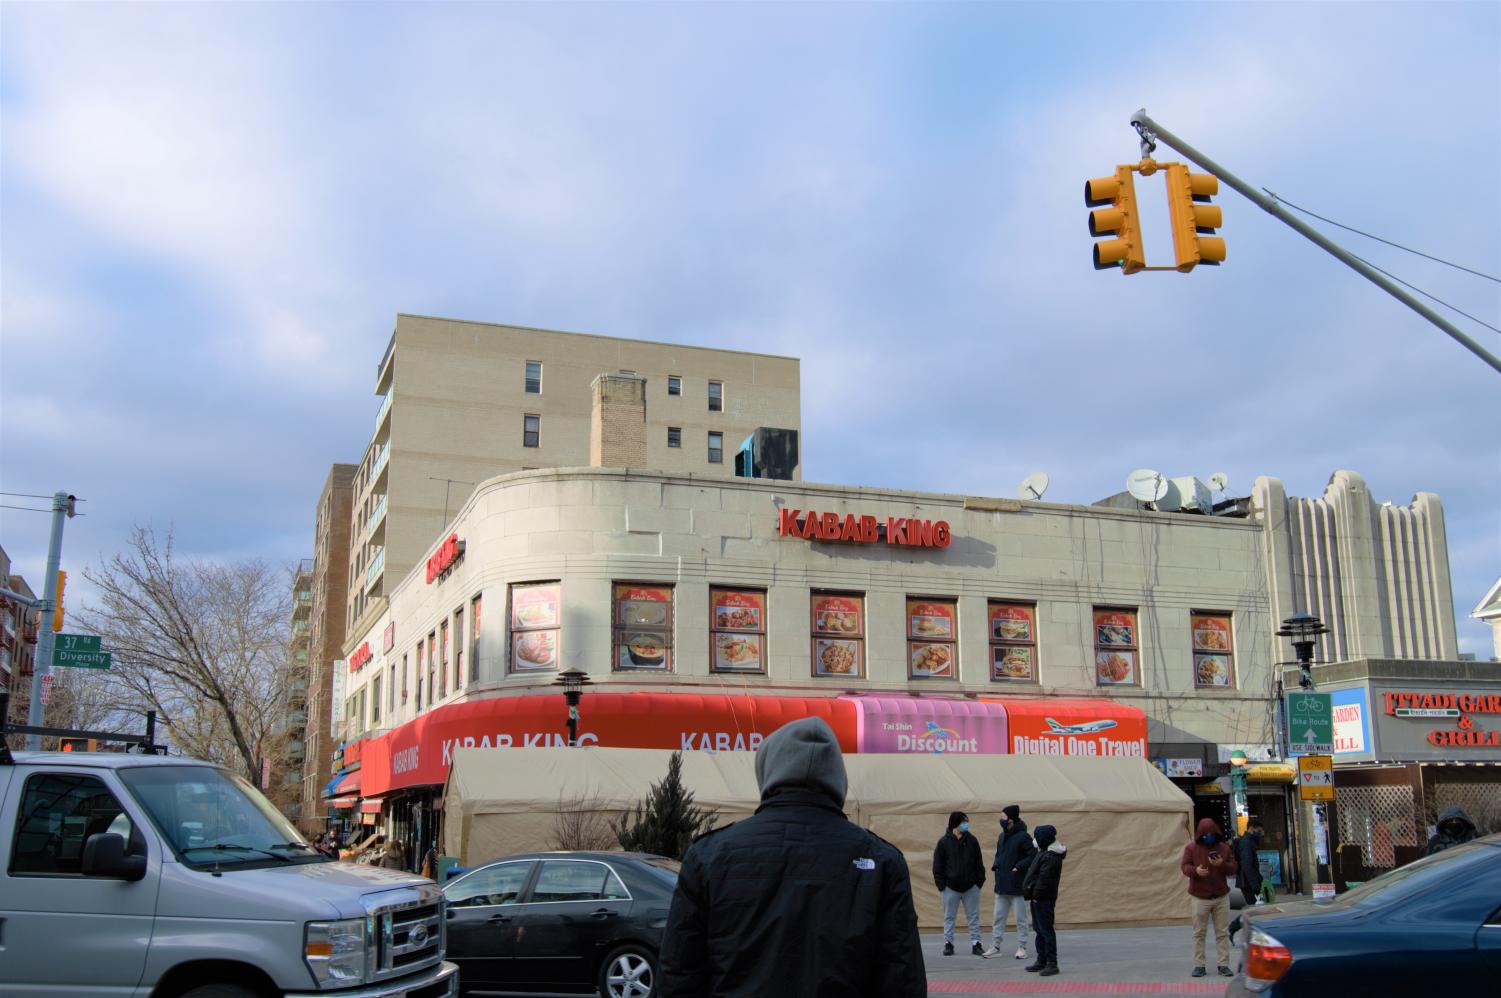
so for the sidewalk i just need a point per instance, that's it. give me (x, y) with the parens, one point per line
(1153, 961)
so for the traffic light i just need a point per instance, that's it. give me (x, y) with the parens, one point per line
(1114, 201)
(57, 613)
(77, 745)
(1193, 217)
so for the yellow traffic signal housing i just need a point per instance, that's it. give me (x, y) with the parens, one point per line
(1193, 217)
(1119, 217)
(57, 614)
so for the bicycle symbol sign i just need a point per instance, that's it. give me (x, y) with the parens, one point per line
(1311, 723)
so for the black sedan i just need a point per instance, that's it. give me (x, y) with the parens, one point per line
(584, 922)
(1432, 927)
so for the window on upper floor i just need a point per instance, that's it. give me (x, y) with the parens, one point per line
(531, 431)
(716, 396)
(674, 385)
(534, 377)
(674, 436)
(716, 448)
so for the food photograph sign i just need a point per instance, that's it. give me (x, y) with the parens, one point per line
(536, 611)
(738, 630)
(1013, 636)
(1115, 647)
(1212, 659)
(643, 626)
(837, 630)
(931, 652)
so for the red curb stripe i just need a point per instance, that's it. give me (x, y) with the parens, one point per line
(1075, 988)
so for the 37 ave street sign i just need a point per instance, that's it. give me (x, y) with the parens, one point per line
(79, 651)
(1310, 724)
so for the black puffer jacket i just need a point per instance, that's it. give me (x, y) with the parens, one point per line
(1248, 877)
(1041, 881)
(1013, 854)
(795, 900)
(957, 864)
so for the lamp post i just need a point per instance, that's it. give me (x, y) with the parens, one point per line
(1304, 629)
(573, 682)
(1238, 774)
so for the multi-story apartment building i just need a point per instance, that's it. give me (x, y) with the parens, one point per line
(461, 402)
(292, 725)
(18, 634)
(328, 586)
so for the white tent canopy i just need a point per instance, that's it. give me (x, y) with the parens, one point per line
(1123, 822)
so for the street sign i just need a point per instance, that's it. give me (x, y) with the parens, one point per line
(81, 659)
(1310, 724)
(77, 642)
(1316, 777)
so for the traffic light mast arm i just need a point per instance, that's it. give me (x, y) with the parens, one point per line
(1153, 132)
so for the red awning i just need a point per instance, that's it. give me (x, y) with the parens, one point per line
(1098, 727)
(342, 802)
(372, 805)
(349, 784)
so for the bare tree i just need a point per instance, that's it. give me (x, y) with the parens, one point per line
(204, 644)
(581, 824)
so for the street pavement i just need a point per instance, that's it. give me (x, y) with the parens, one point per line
(1153, 961)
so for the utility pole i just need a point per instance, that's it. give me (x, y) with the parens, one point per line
(62, 507)
(1151, 133)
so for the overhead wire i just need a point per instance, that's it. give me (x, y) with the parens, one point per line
(1379, 239)
(1425, 294)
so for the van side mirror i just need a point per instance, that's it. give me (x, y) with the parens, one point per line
(104, 856)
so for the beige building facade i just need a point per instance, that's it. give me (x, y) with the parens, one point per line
(464, 401)
(325, 615)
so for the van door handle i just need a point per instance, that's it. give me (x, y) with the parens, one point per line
(603, 913)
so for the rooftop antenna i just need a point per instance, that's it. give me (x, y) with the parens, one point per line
(1146, 485)
(1033, 486)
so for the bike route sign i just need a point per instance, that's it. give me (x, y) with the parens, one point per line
(1310, 724)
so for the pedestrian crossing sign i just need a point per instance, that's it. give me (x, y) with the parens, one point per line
(1316, 777)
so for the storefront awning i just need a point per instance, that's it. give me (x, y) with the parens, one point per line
(348, 784)
(342, 802)
(372, 805)
(1088, 727)
(932, 725)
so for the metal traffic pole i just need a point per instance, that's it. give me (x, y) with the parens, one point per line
(62, 507)
(1151, 133)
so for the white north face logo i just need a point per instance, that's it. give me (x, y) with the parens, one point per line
(865, 864)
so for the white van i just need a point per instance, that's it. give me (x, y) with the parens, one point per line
(157, 877)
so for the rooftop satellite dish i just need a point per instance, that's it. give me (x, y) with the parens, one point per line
(1218, 481)
(1033, 486)
(1146, 485)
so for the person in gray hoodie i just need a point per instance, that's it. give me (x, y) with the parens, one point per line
(796, 899)
(1454, 828)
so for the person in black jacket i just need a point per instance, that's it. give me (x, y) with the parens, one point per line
(1248, 877)
(959, 872)
(1040, 887)
(796, 899)
(1013, 854)
(1454, 828)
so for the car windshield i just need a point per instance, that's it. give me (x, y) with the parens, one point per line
(1416, 876)
(212, 817)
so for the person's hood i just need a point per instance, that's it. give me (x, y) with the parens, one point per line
(1057, 847)
(1207, 826)
(1454, 812)
(957, 818)
(1017, 825)
(804, 753)
(1045, 836)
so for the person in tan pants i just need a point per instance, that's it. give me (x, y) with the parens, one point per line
(1208, 863)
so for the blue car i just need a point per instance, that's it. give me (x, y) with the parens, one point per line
(1432, 927)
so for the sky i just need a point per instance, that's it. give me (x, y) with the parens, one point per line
(210, 215)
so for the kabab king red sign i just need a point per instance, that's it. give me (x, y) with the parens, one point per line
(900, 531)
(448, 553)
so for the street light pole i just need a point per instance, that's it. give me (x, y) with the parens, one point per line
(62, 507)
(573, 682)
(1304, 629)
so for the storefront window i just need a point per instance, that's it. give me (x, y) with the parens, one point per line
(643, 626)
(838, 623)
(536, 612)
(474, 608)
(931, 651)
(1013, 642)
(1214, 649)
(1115, 649)
(737, 630)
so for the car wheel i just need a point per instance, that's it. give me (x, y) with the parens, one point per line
(220, 991)
(628, 972)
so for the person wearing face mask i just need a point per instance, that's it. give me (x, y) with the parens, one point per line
(1013, 854)
(1207, 862)
(959, 872)
(1248, 879)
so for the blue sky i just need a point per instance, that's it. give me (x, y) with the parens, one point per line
(210, 214)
